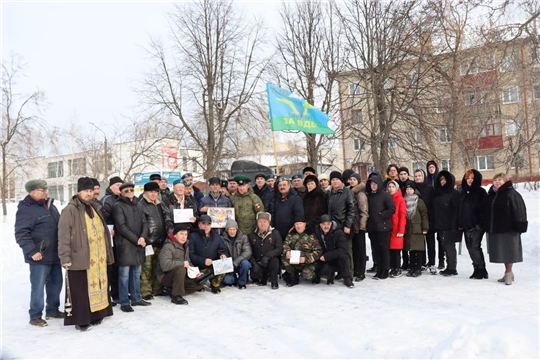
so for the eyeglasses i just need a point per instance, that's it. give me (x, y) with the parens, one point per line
(127, 191)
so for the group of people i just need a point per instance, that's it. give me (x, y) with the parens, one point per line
(126, 249)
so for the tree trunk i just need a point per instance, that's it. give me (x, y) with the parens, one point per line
(4, 178)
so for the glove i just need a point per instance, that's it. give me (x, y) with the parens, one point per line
(264, 261)
(256, 268)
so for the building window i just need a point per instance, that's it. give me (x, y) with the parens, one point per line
(445, 164)
(194, 163)
(477, 65)
(392, 142)
(511, 127)
(388, 84)
(357, 144)
(535, 57)
(441, 106)
(536, 92)
(474, 99)
(418, 165)
(518, 161)
(444, 135)
(508, 63)
(55, 169)
(491, 129)
(510, 95)
(77, 166)
(413, 79)
(184, 164)
(357, 116)
(354, 89)
(485, 162)
(417, 137)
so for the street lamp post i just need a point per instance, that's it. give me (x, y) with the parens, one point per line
(105, 153)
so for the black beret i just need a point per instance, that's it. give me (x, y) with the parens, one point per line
(403, 168)
(335, 175)
(180, 227)
(309, 168)
(260, 175)
(155, 177)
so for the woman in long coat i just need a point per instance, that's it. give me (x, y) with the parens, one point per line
(505, 219)
(416, 229)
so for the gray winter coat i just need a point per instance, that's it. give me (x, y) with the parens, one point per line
(171, 256)
(240, 250)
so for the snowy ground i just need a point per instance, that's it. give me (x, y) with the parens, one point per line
(426, 317)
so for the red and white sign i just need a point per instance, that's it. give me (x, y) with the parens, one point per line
(169, 158)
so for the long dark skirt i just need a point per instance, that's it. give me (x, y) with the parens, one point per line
(80, 304)
(505, 248)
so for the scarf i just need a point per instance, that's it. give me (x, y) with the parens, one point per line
(412, 202)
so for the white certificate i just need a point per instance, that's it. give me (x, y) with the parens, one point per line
(223, 266)
(182, 215)
(111, 227)
(295, 257)
(149, 250)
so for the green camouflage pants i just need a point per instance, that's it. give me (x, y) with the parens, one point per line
(150, 285)
(307, 271)
(216, 280)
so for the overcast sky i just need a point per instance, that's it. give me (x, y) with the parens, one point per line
(87, 57)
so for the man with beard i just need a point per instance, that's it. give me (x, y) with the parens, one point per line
(84, 248)
(232, 186)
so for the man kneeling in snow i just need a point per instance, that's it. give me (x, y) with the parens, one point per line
(173, 265)
(335, 255)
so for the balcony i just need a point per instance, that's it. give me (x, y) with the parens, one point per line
(486, 142)
(480, 79)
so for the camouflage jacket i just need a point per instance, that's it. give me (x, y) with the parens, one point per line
(246, 208)
(310, 248)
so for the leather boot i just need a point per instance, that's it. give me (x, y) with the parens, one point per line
(209, 275)
(504, 277)
(481, 273)
(508, 278)
(475, 273)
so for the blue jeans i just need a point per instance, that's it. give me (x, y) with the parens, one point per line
(48, 277)
(242, 271)
(129, 283)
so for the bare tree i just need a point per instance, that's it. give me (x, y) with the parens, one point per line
(311, 50)
(20, 119)
(208, 73)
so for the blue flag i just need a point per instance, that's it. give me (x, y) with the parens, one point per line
(293, 113)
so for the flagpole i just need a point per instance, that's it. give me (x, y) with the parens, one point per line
(275, 152)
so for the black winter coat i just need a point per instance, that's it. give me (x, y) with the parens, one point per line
(170, 203)
(445, 203)
(266, 194)
(36, 230)
(504, 210)
(427, 193)
(107, 202)
(283, 211)
(342, 206)
(269, 244)
(129, 225)
(315, 205)
(333, 244)
(432, 178)
(471, 202)
(381, 207)
(202, 247)
(155, 220)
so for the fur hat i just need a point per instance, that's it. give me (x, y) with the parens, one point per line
(151, 186)
(309, 168)
(155, 177)
(85, 183)
(36, 184)
(115, 180)
(264, 215)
